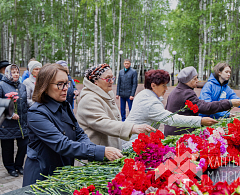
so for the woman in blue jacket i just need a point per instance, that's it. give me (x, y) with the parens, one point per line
(217, 88)
(55, 136)
(9, 130)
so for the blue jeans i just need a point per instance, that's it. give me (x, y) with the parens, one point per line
(123, 101)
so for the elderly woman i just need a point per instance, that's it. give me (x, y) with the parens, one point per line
(10, 130)
(33, 67)
(148, 107)
(98, 113)
(217, 88)
(55, 136)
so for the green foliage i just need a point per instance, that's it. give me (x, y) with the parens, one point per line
(60, 29)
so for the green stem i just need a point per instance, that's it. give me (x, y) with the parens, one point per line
(20, 128)
(170, 115)
(18, 120)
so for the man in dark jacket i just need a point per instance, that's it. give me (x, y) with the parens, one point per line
(3, 65)
(188, 79)
(126, 87)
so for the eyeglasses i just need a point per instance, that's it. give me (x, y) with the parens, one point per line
(109, 79)
(62, 85)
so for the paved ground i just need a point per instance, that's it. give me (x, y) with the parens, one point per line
(8, 183)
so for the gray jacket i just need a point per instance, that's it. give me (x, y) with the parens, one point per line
(30, 85)
(147, 108)
(127, 83)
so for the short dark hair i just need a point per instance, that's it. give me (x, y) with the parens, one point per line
(156, 76)
(128, 60)
(220, 67)
(45, 76)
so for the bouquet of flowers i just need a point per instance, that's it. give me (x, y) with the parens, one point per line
(14, 96)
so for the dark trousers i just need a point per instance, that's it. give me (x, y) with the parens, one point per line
(123, 101)
(8, 153)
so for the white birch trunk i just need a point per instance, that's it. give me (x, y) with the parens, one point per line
(144, 49)
(35, 42)
(101, 38)
(200, 67)
(96, 37)
(83, 41)
(210, 38)
(113, 41)
(53, 52)
(119, 38)
(10, 45)
(205, 36)
(140, 56)
(43, 40)
(5, 41)
(229, 33)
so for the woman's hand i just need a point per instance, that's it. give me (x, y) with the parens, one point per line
(207, 121)
(112, 153)
(142, 129)
(235, 102)
(76, 92)
(15, 116)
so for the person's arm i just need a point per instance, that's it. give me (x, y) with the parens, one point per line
(135, 84)
(158, 113)
(46, 131)
(30, 102)
(207, 107)
(98, 120)
(231, 94)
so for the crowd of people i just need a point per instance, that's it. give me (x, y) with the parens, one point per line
(47, 130)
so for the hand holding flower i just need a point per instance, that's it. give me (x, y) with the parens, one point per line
(14, 96)
(15, 116)
(144, 128)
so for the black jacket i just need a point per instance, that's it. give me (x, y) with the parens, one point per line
(176, 101)
(127, 83)
(9, 129)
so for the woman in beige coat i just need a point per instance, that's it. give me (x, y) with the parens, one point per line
(98, 114)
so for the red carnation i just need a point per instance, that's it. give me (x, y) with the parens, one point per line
(91, 188)
(189, 104)
(192, 106)
(195, 108)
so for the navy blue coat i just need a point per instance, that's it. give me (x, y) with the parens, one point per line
(9, 129)
(55, 140)
(127, 83)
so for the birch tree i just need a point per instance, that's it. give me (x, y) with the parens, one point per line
(119, 38)
(96, 36)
